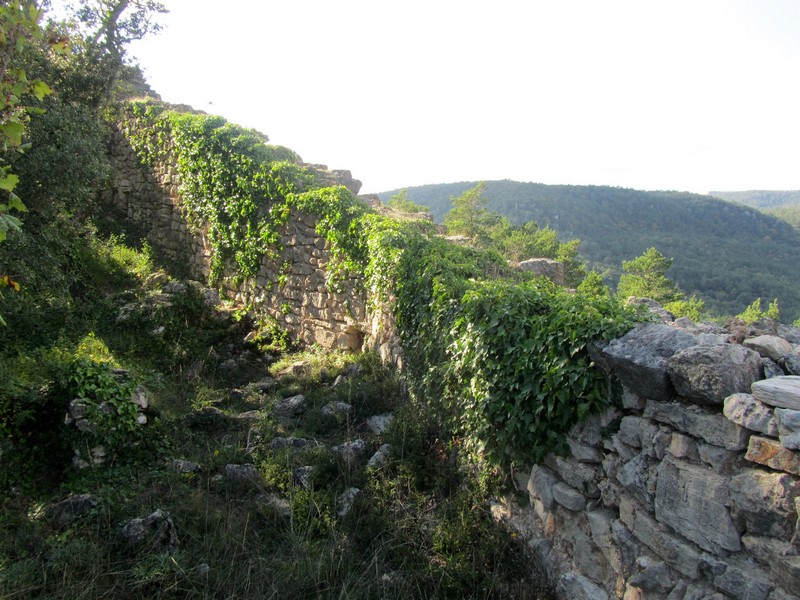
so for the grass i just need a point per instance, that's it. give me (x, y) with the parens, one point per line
(420, 527)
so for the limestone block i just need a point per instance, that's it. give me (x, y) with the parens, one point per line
(581, 476)
(739, 578)
(633, 476)
(768, 346)
(540, 485)
(631, 400)
(655, 576)
(747, 412)
(781, 392)
(637, 432)
(694, 501)
(568, 497)
(591, 430)
(698, 422)
(791, 363)
(583, 453)
(577, 587)
(682, 446)
(765, 502)
(778, 557)
(628, 547)
(724, 462)
(677, 553)
(771, 453)
(639, 358)
(709, 374)
(771, 368)
(788, 427)
(600, 525)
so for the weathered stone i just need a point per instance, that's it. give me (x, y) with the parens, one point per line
(583, 453)
(577, 587)
(765, 502)
(788, 427)
(568, 497)
(600, 525)
(698, 422)
(352, 452)
(581, 476)
(303, 476)
(654, 576)
(184, 466)
(632, 401)
(682, 446)
(69, 510)
(345, 501)
(724, 462)
(593, 429)
(772, 454)
(156, 533)
(694, 501)
(768, 346)
(540, 485)
(746, 411)
(378, 423)
(290, 407)
(791, 363)
(639, 358)
(789, 332)
(545, 267)
(380, 458)
(779, 558)
(781, 392)
(339, 411)
(675, 552)
(586, 556)
(637, 432)
(771, 368)
(736, 577)
(275, 503)
(633, 476)
(709, 374)
(245, 475)
(653, 307)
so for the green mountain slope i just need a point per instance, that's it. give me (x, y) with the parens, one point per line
(727, 254)
(761, 198)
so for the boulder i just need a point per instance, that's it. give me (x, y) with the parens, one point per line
(155, 533)
(345, 501)
(291, 407)
(245, 475)
(747, 412)
(768, 346)
(69, 510)
(639, 358)
(765, 502)
(709, 374)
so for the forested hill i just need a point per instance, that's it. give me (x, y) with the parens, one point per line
(761, 198)
(727, 254)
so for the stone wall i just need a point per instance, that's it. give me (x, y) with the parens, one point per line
(690, 488)
(303, 302)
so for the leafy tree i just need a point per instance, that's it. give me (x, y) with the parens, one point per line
(645, 277)
(753, 312)
(469, 217)
(401, 202)
(592, 285)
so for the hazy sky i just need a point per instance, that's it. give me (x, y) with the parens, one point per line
(694, 95)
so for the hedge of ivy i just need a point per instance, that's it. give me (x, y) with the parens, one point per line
(501, 355)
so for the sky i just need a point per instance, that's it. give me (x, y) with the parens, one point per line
(690, 95)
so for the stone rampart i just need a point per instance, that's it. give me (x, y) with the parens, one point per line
(690, 487)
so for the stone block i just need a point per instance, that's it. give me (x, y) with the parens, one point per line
(568, 497)
(768, 346)
(788, 427)
(781, 392)
(682, 446)
(747, 412)
(724, 462)
(779, 558)
(581, 476)
(577, 587)
(637, 432)
(633, 477)
(701, 423)
(739, 578)
(765, 502)
(694, 501)
(540, 485)
(677, 553)
(709, 374)
(584, 453)
(771, 453)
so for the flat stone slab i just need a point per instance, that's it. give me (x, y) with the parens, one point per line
(569, 497)
(771, 453)
(782, 392)
(769, 346)
(711, 427)
(747, 412)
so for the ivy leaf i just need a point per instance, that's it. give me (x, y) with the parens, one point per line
(15, 202)
(9, 182)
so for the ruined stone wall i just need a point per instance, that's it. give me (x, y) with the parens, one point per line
(690, 488)
(292, 289)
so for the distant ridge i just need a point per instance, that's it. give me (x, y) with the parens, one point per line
(762, 198)
(726, 253)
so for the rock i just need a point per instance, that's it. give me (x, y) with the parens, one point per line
(639, 358)
(654, 576)
(184, 466)
(345, 501)
(724, 462)
(352, 452)
(789, 332)
(339, 411)
(781, 392)
(291, 407)
(788, 427)
(265, 384)
(633, 476)
(140, 398)
(583, 453)
(577, 587)
(698, 422)
(540, 485)
(709, 374)
(791, 363)
(581, 476)
(771, 368)
(275, 503)
(155, 533)
(653, 307)
(778, 557)
(678, 554)
(174, 287)
(69, 510)
(768, 346)
(700, 509)
(568, 497)
(545, 267)
(747, 412)
(765, 502)
(771, 453)
(245, 475)
(682, 446)
(295, 443)
(380, 458)
(741, 579)
(378, 423)
(303, 476)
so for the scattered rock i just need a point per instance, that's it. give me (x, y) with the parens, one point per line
(295, 443)
(69, 510)
(788, 427)
(303, 476)
(155, 533)
(352, 452)
(184, 466)
(380, 458)
(768, 346)
(339, 411)
(709, 374)
(378, 423)
(245, 475)
(345, 501)
(275, 503)
(746, 411)
(291, 407)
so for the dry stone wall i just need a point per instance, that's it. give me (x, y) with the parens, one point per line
(292, 288)
(690, 488)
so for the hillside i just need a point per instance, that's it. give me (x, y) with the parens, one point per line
(761, 198)
(727, 254)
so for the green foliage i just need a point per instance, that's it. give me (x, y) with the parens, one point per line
(592, 285)
(724, 253)
(401, 202)
(754, 312)
(689, 307)
(645, 277)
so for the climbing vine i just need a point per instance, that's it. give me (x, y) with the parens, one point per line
(499, 355)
